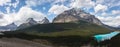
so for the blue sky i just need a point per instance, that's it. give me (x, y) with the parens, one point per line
(17, 11)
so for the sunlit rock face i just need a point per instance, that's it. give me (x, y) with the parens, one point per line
(104, 37)
(76, 15)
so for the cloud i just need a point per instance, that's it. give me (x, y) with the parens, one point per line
(100, 7)
(7, 4)
(57, 1)
(6, 19)
(111, 17)
(104, 14)
(37, 2)
(109, 3)
(32, 3)
(100, 1)
(25, 13)
(115, 12)
(1, 16)
(57, 9)
(111, 21)
(21, 17)
(14, 4)
(82, 3)
(2, 2)
(8, 9)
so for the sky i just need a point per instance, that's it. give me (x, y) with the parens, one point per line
(18, 11)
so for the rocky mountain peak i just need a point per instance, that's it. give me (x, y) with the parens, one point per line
(45, 21)
(31, 21)
(12, 24)
(9, 27)
(76, 15)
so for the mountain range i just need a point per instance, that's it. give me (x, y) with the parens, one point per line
(75, 14)
(72, 28)
(70, 22)
(9, 27)
(31, 22)
(27, 23)
(72, 15)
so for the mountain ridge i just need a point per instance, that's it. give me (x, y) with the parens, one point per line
(8, 27)
(31, 22)
(75, 14)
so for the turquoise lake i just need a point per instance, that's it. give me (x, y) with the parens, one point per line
(103, 37)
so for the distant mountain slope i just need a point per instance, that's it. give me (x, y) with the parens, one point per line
(76, 15)
(8, 27)
(81, 28)
(31, 22)
(44, 21)
(28, 23)
(61, 34)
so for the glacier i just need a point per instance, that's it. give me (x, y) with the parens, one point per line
(103, 37)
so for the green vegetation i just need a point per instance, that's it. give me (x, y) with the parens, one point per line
(80, 28)
(72, 34)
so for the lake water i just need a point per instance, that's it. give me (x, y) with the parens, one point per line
(103, 37)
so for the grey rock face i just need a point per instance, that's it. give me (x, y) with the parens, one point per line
(76, 15)
(8, 27)
(44, 21)
(31, 22)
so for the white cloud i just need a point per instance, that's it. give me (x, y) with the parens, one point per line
(32, 3)
(8, 9)
(82, 3)
(6, 19)
(2, 2)
(57, 9)
(8, 5)
(111, 21)
(100, 7)
(58, 1)
(37, 2)
(104, 14)
(21, 17)
(14, 4)
(109, 3)
(116, 12)
(99, 1)
(115, 4)
(25, 13)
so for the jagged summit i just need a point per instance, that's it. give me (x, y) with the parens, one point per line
(8, 27)
(45, 21)
(31, 22)
(76, 15)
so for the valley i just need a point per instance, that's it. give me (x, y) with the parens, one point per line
(72, 28)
